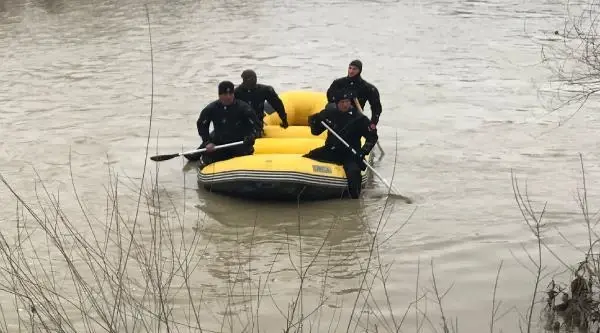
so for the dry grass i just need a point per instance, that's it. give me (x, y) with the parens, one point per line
(572, 56)
(572, 307)
(142, 268)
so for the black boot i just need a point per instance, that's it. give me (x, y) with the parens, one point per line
(354, 191)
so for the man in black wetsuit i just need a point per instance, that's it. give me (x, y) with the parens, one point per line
(233, 120)
(354, 84)
(351, 125)
(256, 94)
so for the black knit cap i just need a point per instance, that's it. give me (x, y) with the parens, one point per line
(358, 65)
(248, 74)
(225, 87)
(341, 95)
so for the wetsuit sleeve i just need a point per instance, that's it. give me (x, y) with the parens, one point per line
(370, 135)
(251, 119)
(275, 102)
(203, 123)
(375, 103)
(332, 90)
(314, 121)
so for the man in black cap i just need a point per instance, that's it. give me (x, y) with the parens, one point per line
(351, 125)
(360, 88)
(233, 120)
(255, 94)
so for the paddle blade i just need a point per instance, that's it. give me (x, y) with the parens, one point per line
(401, 197)
(159, 158)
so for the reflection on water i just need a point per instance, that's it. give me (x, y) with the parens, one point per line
(336, 234)
(321, 249)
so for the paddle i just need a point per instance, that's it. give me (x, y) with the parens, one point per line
(395, 192)
(159, 158)
(363, 112)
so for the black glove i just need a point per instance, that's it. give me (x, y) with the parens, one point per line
(284, 123)
(374, 122)
(249, 140)
(314, 119)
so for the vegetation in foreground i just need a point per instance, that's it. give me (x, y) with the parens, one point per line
(144, 269)
(573, 58)
(141, 271)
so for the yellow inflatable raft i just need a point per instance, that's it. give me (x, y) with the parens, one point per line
(277, 170)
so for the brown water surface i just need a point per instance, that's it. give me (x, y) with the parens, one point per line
(458, 83)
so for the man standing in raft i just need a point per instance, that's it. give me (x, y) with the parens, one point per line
(255, 94)
(233, 120)
(359, 88)
(351, 125)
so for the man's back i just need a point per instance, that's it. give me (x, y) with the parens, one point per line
(256, 97)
